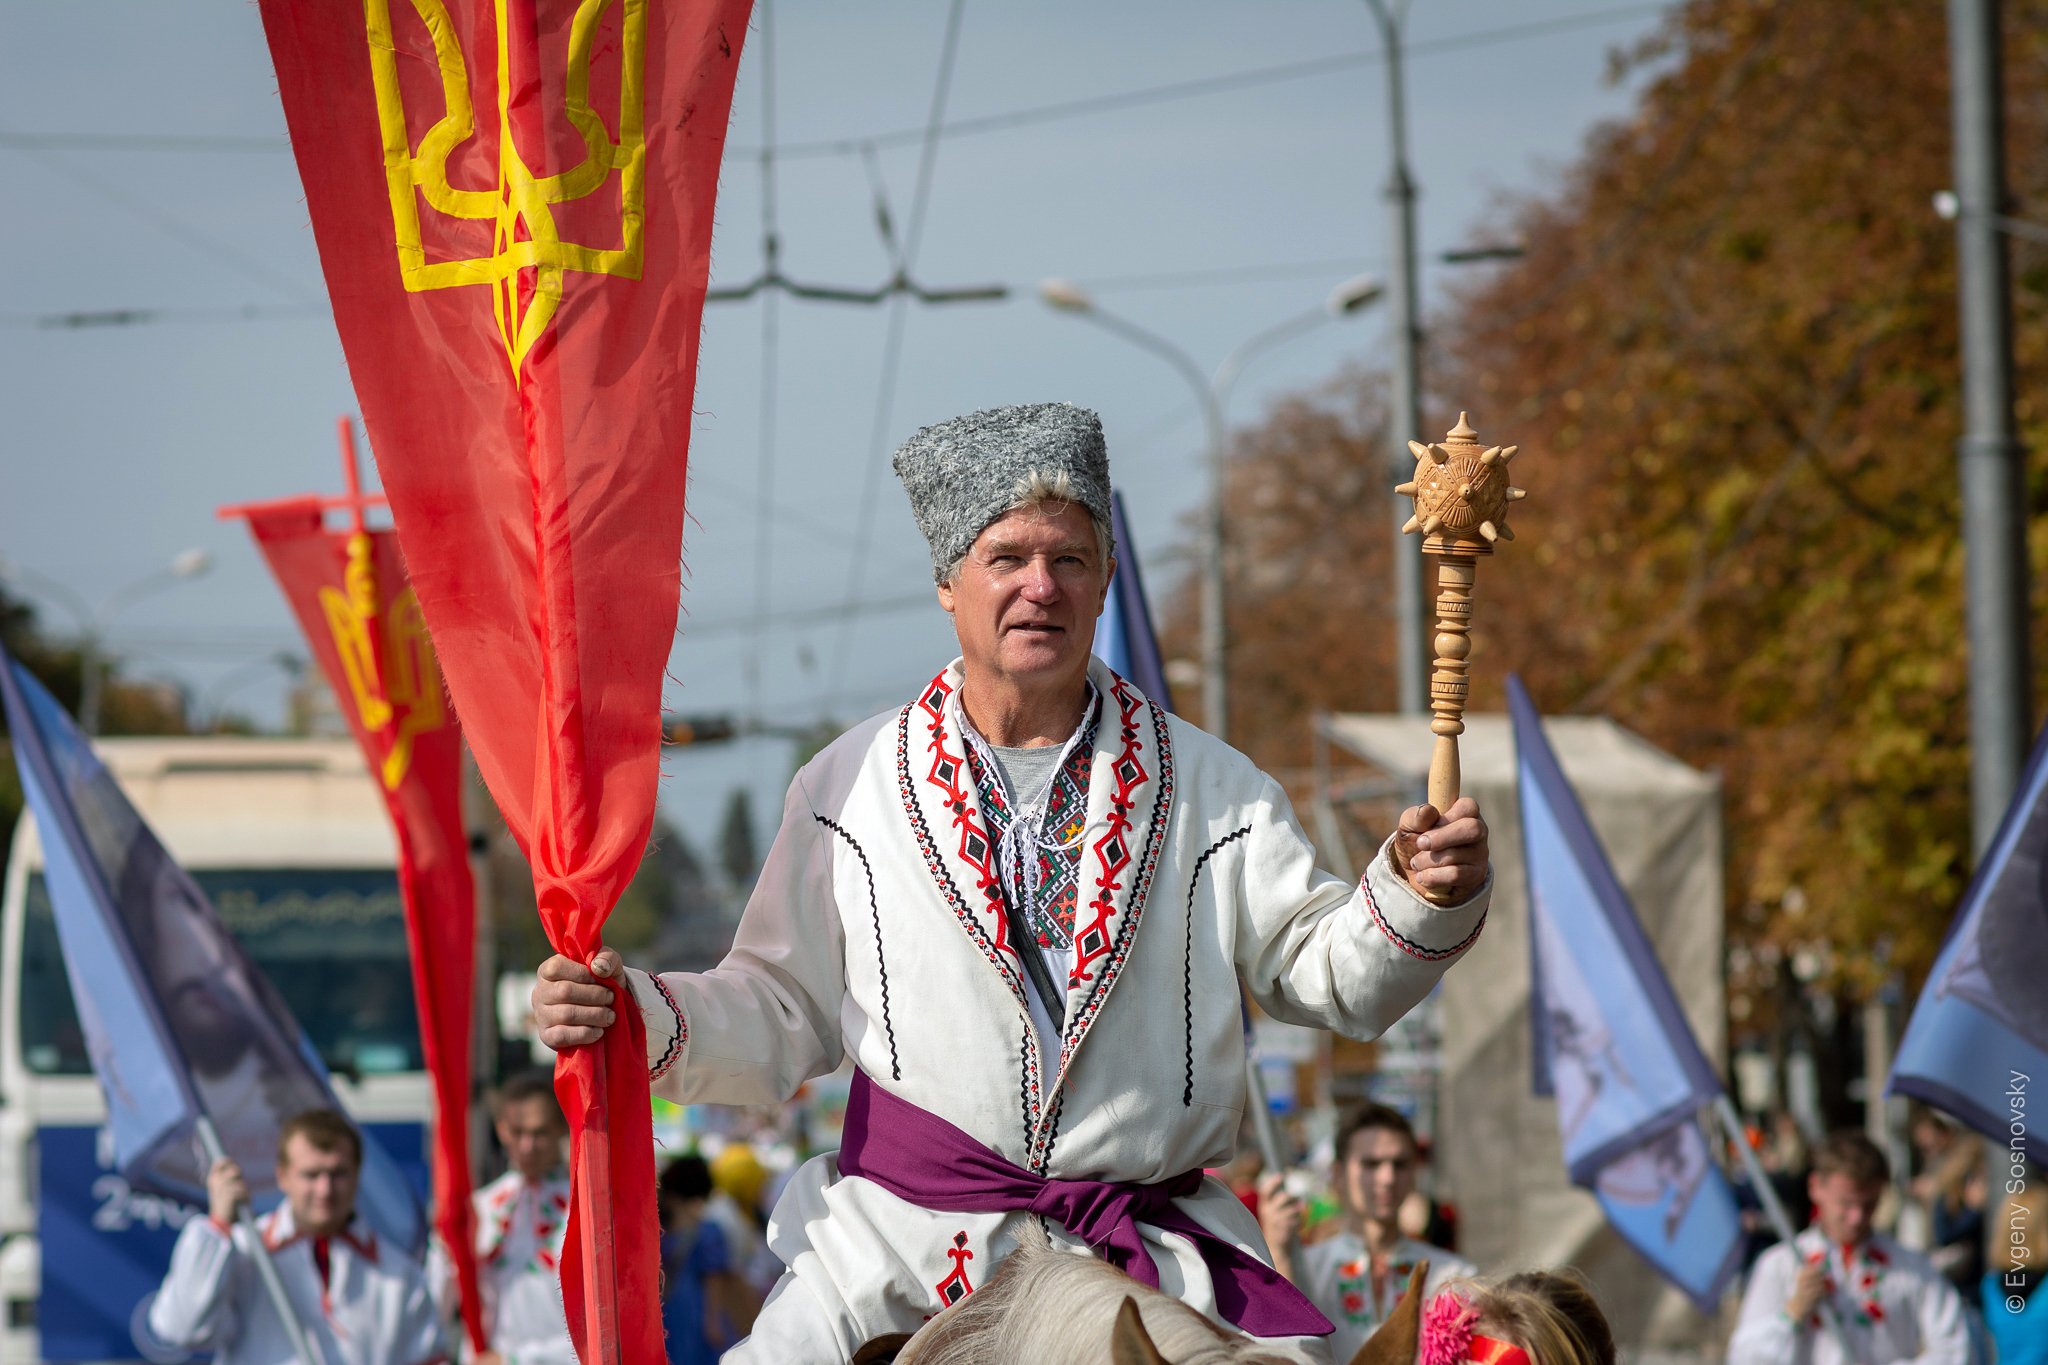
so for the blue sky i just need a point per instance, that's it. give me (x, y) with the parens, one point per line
(147, 170)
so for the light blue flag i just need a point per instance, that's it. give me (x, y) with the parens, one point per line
(1977, 1044)
(1123, 635)
(1611, 1044)
(177, 1020)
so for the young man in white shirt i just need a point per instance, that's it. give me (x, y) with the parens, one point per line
(1841, 1283)
(521, 1218)
(1357, 1275)
(359, 1300)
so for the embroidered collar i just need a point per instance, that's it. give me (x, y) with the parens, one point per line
(279, 1232)
(538, 1208)
(1038, 838)
(1364, 1298)
(1853, 1275)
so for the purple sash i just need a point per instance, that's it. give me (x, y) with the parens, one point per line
(919, 1157)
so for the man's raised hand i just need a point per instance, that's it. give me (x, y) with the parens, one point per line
(571, 1002)
(1444, 859)
(226, 1191)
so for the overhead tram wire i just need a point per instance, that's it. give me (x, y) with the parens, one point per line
(241, 642)
(87, 319)
(174, 227)
(892, 347)
(987, 123)
(1194, 278)
(140, 142)
(1216, 85)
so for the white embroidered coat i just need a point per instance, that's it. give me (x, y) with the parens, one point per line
(373, 1310)
(876, 931)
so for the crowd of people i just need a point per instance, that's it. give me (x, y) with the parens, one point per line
(1929, 1270)
(1843, 1290)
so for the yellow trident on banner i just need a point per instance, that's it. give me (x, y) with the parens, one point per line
(519, 198)
(404, 687)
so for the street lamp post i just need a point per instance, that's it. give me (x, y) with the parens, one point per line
(1405, 412)
(94, 620)
(1212, 391)
(1990, 462)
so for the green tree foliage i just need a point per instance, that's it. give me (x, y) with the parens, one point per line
(1730, 359)
(1307, 516)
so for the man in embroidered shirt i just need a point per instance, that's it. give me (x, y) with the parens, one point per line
(1359, 1273)
(359, 1302)
(1023, 904)
(520, 1221)
(1840, 1283)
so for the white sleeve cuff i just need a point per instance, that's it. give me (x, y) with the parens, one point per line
(1416, 925)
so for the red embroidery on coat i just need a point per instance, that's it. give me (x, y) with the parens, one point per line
(955, 1286)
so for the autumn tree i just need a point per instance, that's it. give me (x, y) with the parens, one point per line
(1306, 510)
(1729, 354)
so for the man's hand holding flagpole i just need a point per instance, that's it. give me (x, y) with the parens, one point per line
(228, 1194)
(113, 892)
(1774, 1210)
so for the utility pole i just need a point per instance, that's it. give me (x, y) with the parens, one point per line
(1989, 460)
(1405, 408)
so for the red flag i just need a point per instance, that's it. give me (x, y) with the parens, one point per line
(349, 592)
(515, 227)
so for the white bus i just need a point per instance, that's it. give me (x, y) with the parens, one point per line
(290, 839)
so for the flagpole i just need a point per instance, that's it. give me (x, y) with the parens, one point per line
(1262, 1117)
(273, 1283)
(1774, 1209)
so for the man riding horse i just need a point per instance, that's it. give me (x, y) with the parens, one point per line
(1023, 904)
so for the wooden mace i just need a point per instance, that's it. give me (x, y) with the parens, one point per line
(1461, 507)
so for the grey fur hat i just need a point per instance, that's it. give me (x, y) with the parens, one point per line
(963, 473)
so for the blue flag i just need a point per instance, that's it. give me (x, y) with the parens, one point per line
(1977, 1043)
(178, 1022)
(1610, 1043)
(1123, 636)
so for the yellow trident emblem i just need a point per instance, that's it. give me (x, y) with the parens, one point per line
(403, 689)
(524, 235)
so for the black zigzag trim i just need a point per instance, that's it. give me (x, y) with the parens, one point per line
(881, 958)
(1052, 1130)
(1409, 945)
(1187, 966)
(1026, 1083)
(677, 1039)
